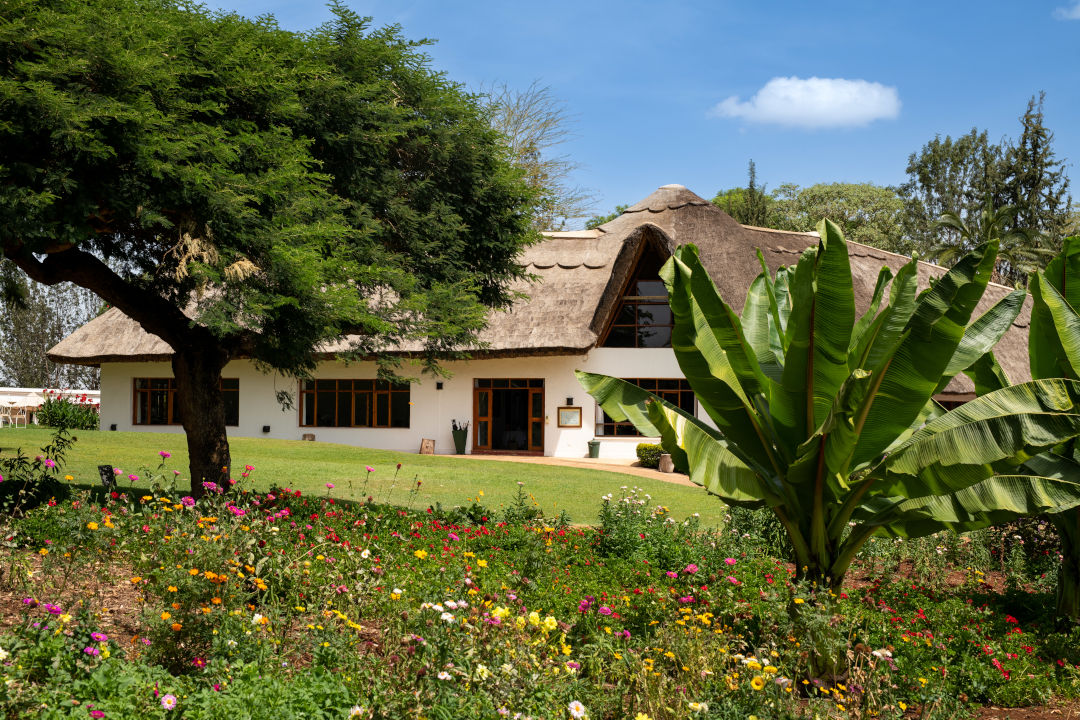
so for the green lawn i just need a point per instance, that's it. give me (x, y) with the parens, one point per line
(309, 466)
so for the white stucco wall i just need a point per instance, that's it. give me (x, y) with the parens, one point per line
(432, 409)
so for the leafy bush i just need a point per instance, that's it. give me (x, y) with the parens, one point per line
(649, 454)
(63, 412)
(26, 483)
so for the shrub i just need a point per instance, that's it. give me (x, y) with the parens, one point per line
(61, 411)
(649, 454)
(26, 483)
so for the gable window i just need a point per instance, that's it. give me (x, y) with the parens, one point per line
(155, 401)
(354, 403)
(643, 319)
(675, 390)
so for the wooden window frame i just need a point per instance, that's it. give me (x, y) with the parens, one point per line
(681, 396)
(171, 402)
(378, 388)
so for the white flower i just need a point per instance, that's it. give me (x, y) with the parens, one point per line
(577, 710)
(881, 654)
(482, 672)
(4, 654)
(357, 711)
(699, 707)
(447, 617)
(438, 608)
(365, 554)
(443, 675)
(451, 604)
(257, 619)
(230, 643)
(398, 591)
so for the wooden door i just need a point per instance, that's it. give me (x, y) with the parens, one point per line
(482, 418)
(536, 420)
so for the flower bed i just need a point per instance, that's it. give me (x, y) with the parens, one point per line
(145, 603)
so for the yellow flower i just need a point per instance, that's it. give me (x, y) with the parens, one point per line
(43, 551)
(757, 682)
(92, 525)
(642, 716)
(534, 618)
(519, 621)
(902, 705)
(481, 563)
(550, 623)
(65, 618)
(799, 601)
(172, 588)
(166, 615)
(68, 478)
(421, 554)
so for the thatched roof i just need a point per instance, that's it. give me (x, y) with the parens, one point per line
(581, 276)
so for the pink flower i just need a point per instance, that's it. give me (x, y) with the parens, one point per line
(369, 468)
(133, 477)
(96, 714)
(730, 561)
(116, 471)
(691, 569)
(733, 580)
(49, 462)
(605, 610)
(188, 501)
(329, 486)
(672, 574)
(165, 455)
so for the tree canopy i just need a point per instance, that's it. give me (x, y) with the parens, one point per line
(243, 191)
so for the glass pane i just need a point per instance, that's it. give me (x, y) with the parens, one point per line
(536, 383)
(344, 409)
(482, 404)
(382, 409)
(324, 409)
(363, 384)
(651, 288)
(667, 384)
(537, 405)
(308, 401)
(626, 314)
(326, 384)
(657, 337)
(309, 385)
(654, 315)
(399, 409)
(483, 383)
(537, 439)
(500, 383)
(620, 336)
(159, 408)
(346, 385)
(159, 383)
(362, 409)
(482, 433)
(519, 383)
(382, 385)
(232, 405)
(142, 383)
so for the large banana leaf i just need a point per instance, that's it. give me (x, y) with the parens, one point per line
(910, 376)
(995, 500)
(994, 433)
(695, 447)
(1054, 337)
(983, 334)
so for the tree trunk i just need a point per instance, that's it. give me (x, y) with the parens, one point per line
(202, 410)
(1068, 586)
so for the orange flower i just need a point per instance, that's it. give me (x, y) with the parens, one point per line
(92, 525)
(166, 615)
(136, 580)
(193, 572)
(176, 606)
(176, 627)
(216, 601)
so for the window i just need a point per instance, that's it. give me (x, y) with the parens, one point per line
(354, 403)
(675, 391)
(643, 319)
(155, 401)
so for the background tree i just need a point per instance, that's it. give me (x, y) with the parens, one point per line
(961, 178)
(534, 123)
(867, 213)
(597, 220)
(31, 323)
(749, 205)
(243, 191)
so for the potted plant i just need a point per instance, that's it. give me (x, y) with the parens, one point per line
(460, 430)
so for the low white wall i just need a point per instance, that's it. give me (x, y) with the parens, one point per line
(432, 409)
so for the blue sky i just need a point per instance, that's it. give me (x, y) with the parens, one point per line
(689, 91)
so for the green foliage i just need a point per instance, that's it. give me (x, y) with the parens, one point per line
(830, 421)
(648, 454)
(750, 205)
(284, 188)
(59, 410)
(597, 220)
(26, 483)
(864, 212)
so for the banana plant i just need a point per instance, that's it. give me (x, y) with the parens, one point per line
(1054, 352)
(828, 418)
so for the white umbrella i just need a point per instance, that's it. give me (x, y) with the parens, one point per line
(32, 400)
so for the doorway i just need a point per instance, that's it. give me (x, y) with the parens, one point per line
(508, 416)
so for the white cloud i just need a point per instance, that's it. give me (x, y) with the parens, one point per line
(815, 103)
(1068, 13)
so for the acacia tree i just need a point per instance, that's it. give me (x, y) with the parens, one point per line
(243, 191)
